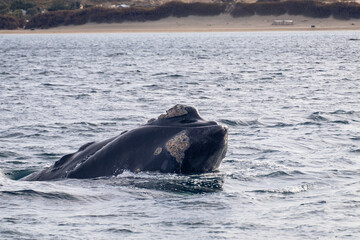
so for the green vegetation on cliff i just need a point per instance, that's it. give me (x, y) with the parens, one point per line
(9, 22)
(67, 12)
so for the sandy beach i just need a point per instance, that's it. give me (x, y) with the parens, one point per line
(221, 23)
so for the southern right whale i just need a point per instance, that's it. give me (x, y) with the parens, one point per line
(179, 141)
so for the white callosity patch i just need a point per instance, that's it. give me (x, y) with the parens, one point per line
(177, 146)
(176, 111)
(157, 151)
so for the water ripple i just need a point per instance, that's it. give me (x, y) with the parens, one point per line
(286, 191)
(38, 194)
(290, 101)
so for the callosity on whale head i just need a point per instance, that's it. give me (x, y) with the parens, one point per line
(179, 141)
(200, 145)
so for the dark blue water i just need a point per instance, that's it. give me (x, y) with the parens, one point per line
(291, 101)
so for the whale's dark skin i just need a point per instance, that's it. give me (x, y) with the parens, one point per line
(179, 141)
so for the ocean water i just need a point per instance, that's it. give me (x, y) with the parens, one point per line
(291, 101)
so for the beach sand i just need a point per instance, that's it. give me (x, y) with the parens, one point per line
(221, 23)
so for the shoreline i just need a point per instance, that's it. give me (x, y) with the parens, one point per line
(221, 23)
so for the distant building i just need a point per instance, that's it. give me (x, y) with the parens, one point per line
(283, 22)
(119, 6)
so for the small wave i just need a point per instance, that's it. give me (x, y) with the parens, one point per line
(269, 151)
(108, 123)
(80, 96)
(119, 119)
(266, 78)
(13, 135)
(338, 112)
(17, 162)
(314, 203)
(285, 191)
(353, 204)
(151, 87)
(281, 125)
(309, 123)
(46, 73)
(239, 122)
(240, 177)
(116, 54)
(204, 97)
(334, 117)
(52, 85)
(202, 57)
(164, 74)
(119, 230)
(17, 174)
(340, 121)
(355, 138)
(277, 73)
(317, 117)
(275, 174)
(281, 174)
(176, 76)
(46, 155)
(193, 83)
(8, 154)
(345, 173)
(159, 74)
(297, 172)
(38, 194)
(85, 124)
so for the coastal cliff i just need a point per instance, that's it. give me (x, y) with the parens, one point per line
(50, 19)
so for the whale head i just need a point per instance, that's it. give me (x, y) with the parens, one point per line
(198, 145)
